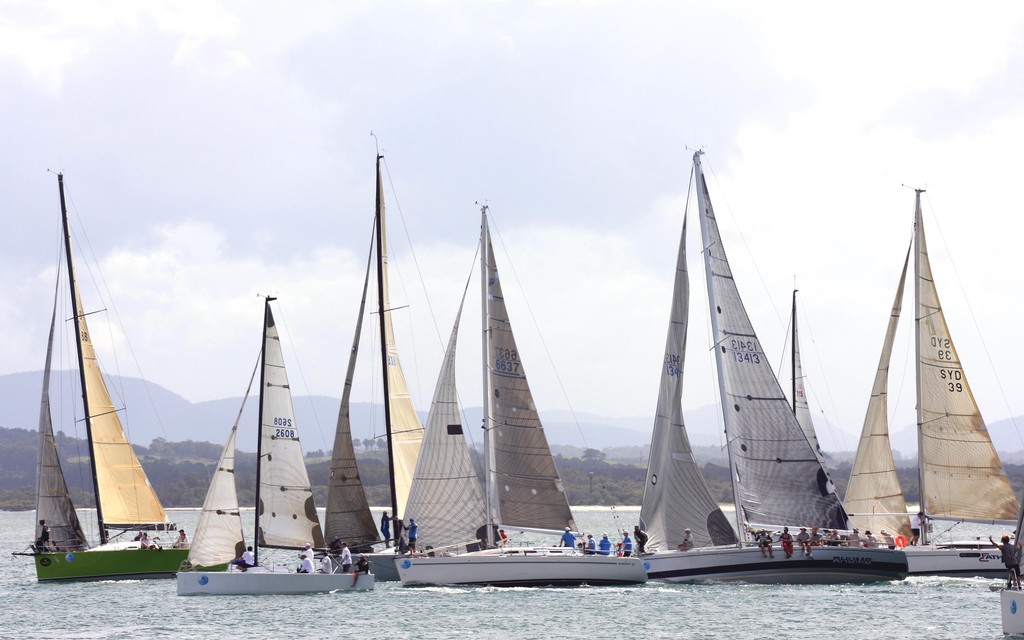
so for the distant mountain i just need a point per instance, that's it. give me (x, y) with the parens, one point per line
(155, 412)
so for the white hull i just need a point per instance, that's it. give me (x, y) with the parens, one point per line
(956, 561)
(521, 568)
(827, 565)
(1012, 606)
(260, 581)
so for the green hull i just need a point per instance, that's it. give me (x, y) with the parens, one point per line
(121, 564)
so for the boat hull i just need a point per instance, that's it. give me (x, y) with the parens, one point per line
(520, 570)
(112, 564)
(1012, 607)
(827, 565)
(961, 561)
(258, 581)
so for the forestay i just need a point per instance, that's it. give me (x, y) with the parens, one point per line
(778, 478)
(675, 495)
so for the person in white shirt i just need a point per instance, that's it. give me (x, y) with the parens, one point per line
(346, 558)
(307, 564)
(307, 551)
(916, 524)
(326, 565)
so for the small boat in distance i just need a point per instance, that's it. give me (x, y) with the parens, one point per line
(125, 500)
(776, 475)
(285, 513)
(522, 487)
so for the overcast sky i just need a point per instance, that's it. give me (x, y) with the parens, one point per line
(216, 150)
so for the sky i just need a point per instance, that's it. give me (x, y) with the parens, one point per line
(214, 151)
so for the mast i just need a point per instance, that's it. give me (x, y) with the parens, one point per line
(917, 356)
(792, 353)
(379, 221)
(259, 423)
(485, 336)
(703, 204)
(81, 361)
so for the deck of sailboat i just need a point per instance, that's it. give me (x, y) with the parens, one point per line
(280, 580)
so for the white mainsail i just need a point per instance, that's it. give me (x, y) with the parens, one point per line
(777, 477)
(524, 485)
(800, 406)
(287, 515)
(446, 498)
(873, 495)
(218, 535)
(675, 495)
(961, 476)
(53, 500)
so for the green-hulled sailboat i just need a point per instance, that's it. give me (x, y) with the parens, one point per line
(125, 501)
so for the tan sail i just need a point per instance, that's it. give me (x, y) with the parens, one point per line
(961, 474)
(125, 494)
(406, 430)
(874, 497)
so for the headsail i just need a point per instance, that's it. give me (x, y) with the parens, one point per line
(218, 534)
(286, 513)
(446, 498)
(348, 515)
(675, 496)
(961, 475)
(777, 477)
(874, 487)
(53, 500)
(526, 484)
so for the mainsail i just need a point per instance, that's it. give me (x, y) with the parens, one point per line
(286, 514)
(53, 500)
(446, 498)
(675, 496)
(348, 514)
(406, 432)
(961, 476)
(524, 484)
(777, 477)
(124, 497)
(800, 406)
(218, 535)
(873, 495)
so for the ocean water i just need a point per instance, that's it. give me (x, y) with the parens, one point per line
(919, 608)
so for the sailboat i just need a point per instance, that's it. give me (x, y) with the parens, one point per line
(125, 500)
(522, 487)
(348, 516)
(960, 475)
(777, 479)
(286, 517)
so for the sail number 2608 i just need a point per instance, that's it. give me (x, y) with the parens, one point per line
(283, 432)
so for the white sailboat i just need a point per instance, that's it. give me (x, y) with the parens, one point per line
(522, 485)
(125, 500)
(959, 472)
(348, 516)
(286, 517)
(777, 478)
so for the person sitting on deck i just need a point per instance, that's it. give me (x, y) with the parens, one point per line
(307, 564)
(786, 538)
(804, 540)
(853, 540)
(591, 547)
(182, 541)
(887, 539)
(817, 539)
(362, 566)
(870, 541)
(764, 542)
(502, 538)
(687, 543)
(245, 561)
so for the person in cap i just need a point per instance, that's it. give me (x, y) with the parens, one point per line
(786, 538)
(804, 540)
(362, 566)
(887, 539)
(627, 545)
(853, 540)
(307, 551)
(870, 540)
(605, 546)
(568, 540)
(764, 542)
(687, 542)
